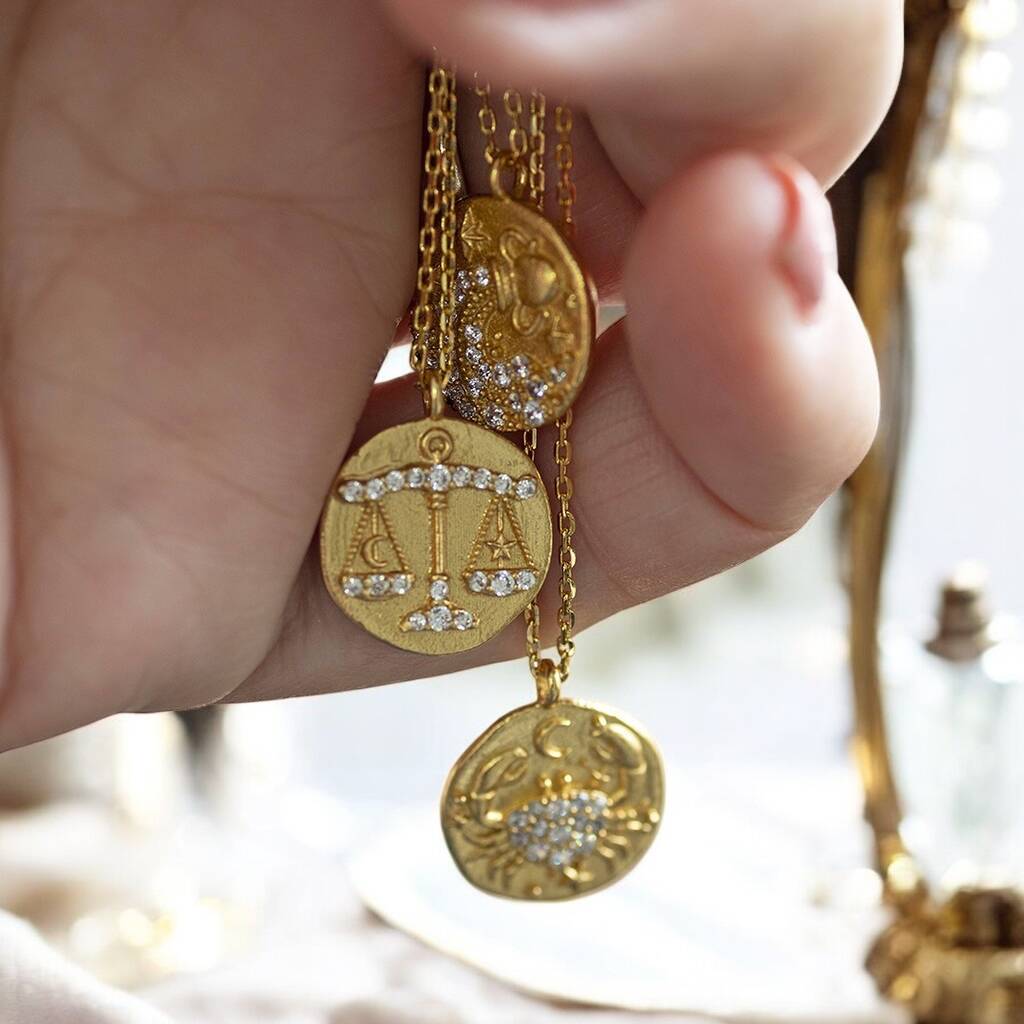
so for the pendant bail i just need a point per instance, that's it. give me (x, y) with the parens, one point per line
(549, 683)
(507, 160)
(433, 394)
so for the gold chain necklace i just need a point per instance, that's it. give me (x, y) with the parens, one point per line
(558, 798)
(418, 515)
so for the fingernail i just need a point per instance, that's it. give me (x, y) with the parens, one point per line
(806, 251)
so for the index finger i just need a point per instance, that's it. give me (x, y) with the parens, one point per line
(665, 82)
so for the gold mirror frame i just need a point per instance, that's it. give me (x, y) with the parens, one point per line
(960, 961)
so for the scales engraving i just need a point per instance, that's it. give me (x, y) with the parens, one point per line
(431, 536)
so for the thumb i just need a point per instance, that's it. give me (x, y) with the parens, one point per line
(664, 82)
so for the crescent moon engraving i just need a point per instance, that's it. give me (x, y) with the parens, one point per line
(541, 736)
(370, 554)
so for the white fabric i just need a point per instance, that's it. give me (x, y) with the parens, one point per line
(39, 987)
(379, 977)
(709, 913)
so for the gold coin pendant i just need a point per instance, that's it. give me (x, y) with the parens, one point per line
(436, 535)
(524, 318)
(553, 802)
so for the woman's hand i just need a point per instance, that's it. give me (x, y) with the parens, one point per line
(209, 232)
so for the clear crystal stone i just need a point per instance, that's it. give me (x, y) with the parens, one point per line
(439, 589)
(440, 618)
(401, 584)
(475, 386)
(502, 483)
(526, 488)
(503, 583)
(521, 366)
(440, 478)
(495, 417)
(557, 375)
(395, 480)
(537, 388)
(546, 832)
(501, 376)
(482, 479)
(478, 582)
(353, 586)
(415, 477)
(375, 489)
(534, 414)
(462, 279)
(482, 276)
(417, 621)
(483, 371)
(473, 354)
(471, 332)
(379, 585)
(461, 476)
(525, 579)
(353, 491)
(559, 808)
(463, 620)
(515, 402)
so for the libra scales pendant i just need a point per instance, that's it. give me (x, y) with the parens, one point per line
(436, 535)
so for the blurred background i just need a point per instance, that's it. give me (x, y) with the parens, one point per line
(152, 850)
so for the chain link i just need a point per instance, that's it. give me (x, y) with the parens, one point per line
(423, 315)
(563, 446)
(564, 158)
(538, 149)
(518, 143)
(449, 197)
(532, 613)
(531, 149)
(566, 552)
(436, 272)
(488, 119)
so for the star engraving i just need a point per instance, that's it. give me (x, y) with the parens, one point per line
(501, 548)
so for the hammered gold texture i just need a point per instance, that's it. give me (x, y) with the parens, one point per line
(524, 320)
(553, 801)
(436, 563)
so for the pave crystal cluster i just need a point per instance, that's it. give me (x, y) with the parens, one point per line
(440, 615)
(502, 583)
(437, 477)
(558, 831)
(378, 585)
(506, 392)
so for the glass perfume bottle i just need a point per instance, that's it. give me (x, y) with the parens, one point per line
(955, 707)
